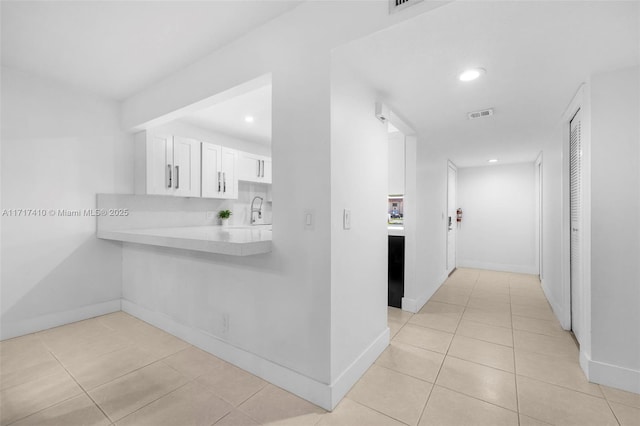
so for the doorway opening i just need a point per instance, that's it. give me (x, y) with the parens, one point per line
(395, 217)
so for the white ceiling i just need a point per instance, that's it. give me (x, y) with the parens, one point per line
(536, 55)
(228, 117)
(117, 48)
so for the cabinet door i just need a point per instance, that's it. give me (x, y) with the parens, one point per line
(159, 164)
(211, 183)
(266, 170)
(186, 167)
(249, 167)
(229, 170)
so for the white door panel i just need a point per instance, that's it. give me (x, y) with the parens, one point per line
(186, 166)
(575, 181)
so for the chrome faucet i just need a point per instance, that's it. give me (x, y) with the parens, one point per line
(254, 210)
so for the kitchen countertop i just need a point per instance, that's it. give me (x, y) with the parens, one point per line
(396, 230)
(230, 240)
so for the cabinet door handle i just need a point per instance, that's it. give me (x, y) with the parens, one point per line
(177, 177)
(219, 182)
(258, 164)
(169, 175)
(262, 175)
(224, 182)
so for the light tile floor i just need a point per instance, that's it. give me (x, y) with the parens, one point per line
(485, 350)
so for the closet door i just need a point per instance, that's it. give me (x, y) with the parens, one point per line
(575, 182)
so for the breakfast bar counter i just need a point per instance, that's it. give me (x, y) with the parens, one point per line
(234, 241)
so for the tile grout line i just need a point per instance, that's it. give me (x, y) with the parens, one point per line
(82, 387)
(481, 364)
(146, 405)
(254, 394)
(561, 386)
(406, 374)
(446, 353)
(515, 368)
(116, 378)
(609, 405)
(43, 409)
(193, 380)
(479, 399)
(375, 363)
(372, 409)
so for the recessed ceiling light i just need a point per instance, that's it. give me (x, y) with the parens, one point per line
(493, 160)
(471, 74)
(249, 119)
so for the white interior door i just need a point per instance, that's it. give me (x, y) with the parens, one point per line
(451, 219)
(575, 182)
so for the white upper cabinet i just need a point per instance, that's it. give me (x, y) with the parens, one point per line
(219, 171)
(167, 165)
(266, 170)
(186, 166)
(254, 168)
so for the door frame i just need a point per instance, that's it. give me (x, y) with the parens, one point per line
(539, 215)
(580, 102)
(410, 220)
(454, 224)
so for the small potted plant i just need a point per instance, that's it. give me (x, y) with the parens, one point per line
(224, 216)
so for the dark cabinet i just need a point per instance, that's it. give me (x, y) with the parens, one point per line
(396, 271)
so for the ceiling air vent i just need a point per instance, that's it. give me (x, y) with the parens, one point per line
(397, 5)
(480, 114)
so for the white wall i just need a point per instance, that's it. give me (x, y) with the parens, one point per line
(359, 164)
(615, 228)
(396, 163)
(430, 225)
(498, 229)
(188, 130)
(552, 225)
(279, 304)
(59, 148)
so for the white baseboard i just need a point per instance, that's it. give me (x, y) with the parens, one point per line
(11, 329)
(414, 305)
(321, 394)
(520, 269)
(610, 375)
(352, 374)
(565, 320)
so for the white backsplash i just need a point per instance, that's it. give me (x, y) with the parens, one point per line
(241, 208)
(156, 211)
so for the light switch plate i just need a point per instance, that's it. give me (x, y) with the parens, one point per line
(309, 220)
(346, 219)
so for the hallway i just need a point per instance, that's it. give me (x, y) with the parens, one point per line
(485, 350)
(496, 355)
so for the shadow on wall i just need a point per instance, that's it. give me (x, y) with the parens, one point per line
(90, 275)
